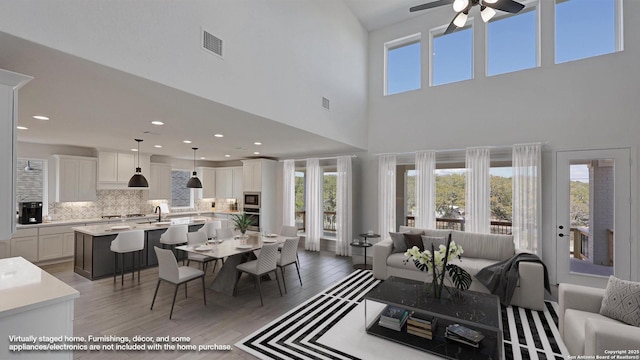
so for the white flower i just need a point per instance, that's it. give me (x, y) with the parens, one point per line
(424, 257)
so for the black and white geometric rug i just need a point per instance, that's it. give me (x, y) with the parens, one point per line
(310, 330)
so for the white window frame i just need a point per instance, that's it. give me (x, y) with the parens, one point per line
(394, 44)
(439, 31)
(532, 5)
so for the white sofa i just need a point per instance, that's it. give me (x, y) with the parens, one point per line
(584, 330)
(480, 250)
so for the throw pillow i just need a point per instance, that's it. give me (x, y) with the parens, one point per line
(435, 240)
(399, 246)
(413, 240)
(621, 301)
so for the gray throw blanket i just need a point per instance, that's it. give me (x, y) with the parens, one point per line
(501, 278)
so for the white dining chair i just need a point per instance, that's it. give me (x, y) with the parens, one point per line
(169, 271)
(265, 264)
(224, 233)
(288, 256)
(124, 243)
(175, 235)
(210, 228)
(198, 238)
(290, 232)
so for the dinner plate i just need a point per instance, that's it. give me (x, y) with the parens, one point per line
(203, 248)
(215, 241)
(269, 240)
(271, 235)
(121, 227)
(244, 246)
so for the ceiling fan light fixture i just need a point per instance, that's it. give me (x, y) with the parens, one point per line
(490, 1)
(194, 182)
(459, 5)
(487, 14)
(138, 180)
(460, 20)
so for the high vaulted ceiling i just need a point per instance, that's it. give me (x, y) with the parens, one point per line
(376, 14)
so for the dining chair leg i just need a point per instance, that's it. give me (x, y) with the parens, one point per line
(185, 289)
(278, 281)
(133, 265)
(175, 292)
(235, 286)
(115, 266)
(259, 290)
(204, 293)
(154, 294)
(283, 282)
(139, 263)
(298, 270)
(122, 272)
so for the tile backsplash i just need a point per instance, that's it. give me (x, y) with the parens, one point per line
(120, 202)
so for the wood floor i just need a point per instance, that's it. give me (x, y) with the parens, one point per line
(107, 309)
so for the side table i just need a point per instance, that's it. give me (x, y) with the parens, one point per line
(363, 245)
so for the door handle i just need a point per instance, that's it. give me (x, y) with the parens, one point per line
(562, 235)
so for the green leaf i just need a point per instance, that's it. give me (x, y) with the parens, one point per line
(460, 277)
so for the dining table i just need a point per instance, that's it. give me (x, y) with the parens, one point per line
(234, 251)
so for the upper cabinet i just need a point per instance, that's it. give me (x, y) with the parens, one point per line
(115, 169)
(159, 182)
(238, 180)
(72, 178)
(260, 175)
(252, 175)
(208, 178)
(228, 183)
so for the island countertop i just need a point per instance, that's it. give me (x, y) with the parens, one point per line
(138, 224)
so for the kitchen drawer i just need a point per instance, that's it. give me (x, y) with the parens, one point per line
(48, 230)
(25, 232)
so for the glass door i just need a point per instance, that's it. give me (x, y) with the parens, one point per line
(593, 215)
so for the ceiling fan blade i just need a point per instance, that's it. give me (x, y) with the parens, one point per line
(430, 5)
(452, 27)
(509, 6)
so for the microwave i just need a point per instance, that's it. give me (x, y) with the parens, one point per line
(252, 200)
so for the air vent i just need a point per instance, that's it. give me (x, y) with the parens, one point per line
(211, 43)
(325, 103)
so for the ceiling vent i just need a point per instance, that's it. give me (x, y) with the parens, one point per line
(325, 103)
(211, 43)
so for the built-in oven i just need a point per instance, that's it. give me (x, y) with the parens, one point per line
(255, 215)
(252, 200)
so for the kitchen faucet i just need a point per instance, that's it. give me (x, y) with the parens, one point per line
(159, 211)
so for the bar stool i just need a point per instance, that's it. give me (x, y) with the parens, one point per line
(175, 235)
(128, 242)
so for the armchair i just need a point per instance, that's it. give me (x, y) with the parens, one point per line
(584, 330)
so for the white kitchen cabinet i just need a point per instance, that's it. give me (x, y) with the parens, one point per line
(252, 175)
(238, 184)
(208, 178)
(5, 249)
(68, 244)
(159, 182)
(224, 183)
(115, 169)
(55, 242)
(25, 243)
(10, 82)
(260, 175)
(72, 178)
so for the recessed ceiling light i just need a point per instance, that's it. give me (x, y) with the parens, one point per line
(157, 146)
(187, 141)
(256, 153)
(156, 122)
(257, 143)
(40, 117)
(134, 150)
(218, 135)
(202, 157)
(227, 155)
(22, 128)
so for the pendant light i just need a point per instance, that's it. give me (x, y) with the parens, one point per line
(138, 180)
(194, 182)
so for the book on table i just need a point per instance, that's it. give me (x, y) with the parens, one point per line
(422, 321)
(427, 334)
(393, 317)
(463, 335)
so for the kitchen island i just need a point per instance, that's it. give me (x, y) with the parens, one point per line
(93, 258)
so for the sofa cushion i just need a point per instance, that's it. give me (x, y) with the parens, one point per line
(436, 241)
(574, 329)
(398, 261)
(621, 301)
(484, 246)
(399, 246)
(427, 232)
(472, 265)
(413, 240)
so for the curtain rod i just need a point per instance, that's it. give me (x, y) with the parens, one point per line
(322, 158)
(501, 147)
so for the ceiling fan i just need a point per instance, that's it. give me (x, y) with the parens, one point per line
(461, 7)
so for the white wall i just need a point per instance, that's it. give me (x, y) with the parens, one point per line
(281, 57)
(581, 104)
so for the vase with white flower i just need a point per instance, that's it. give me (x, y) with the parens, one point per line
(437, 263)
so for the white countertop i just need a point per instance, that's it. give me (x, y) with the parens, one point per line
(115, 228)
(24, 286)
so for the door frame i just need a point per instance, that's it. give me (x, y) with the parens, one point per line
(633, 227)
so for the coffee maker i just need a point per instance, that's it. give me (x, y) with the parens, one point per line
(30, 212)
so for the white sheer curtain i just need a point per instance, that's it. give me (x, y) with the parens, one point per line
(386, 194)
(526, 165)
(478, 206)
(343, 206)
(425, 189)
(289, 193)
(313, 205)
